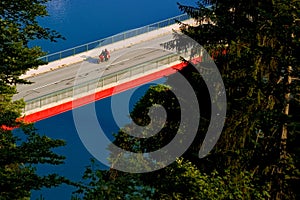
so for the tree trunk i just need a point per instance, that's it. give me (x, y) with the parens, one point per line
(283, 139)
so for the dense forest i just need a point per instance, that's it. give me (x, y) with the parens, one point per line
(22, 149)
(255, 46)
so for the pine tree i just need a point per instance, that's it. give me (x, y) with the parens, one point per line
(22, 149)
(255, 45)
(261, 41)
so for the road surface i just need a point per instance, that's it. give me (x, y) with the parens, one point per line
(62, 78)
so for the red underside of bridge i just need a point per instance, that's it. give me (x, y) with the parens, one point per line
(49, 112)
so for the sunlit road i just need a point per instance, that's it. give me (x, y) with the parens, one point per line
(65, 77)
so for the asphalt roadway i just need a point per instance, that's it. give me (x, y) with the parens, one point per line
(65, 77)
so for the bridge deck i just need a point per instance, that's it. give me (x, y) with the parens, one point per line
(53, 84)
(61, 78)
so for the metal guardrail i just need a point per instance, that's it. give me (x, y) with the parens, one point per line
(98, 83)
(112, 39)
(83, 89)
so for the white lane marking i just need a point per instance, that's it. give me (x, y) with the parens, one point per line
(87, 73)
(53, 83)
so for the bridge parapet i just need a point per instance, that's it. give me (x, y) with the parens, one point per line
(112, 39)
(95, 85)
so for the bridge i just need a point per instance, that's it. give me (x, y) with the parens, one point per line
(73, 77)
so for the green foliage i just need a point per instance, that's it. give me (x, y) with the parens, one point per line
(254, 44)
(21, 150)
(18, 25)
(186, 181)
(158, 95)
(111, 184)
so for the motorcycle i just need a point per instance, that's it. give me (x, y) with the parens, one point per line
(104, 56)
(101, 58)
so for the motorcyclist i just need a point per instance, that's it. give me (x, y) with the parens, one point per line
(101, 56)
(106, 55)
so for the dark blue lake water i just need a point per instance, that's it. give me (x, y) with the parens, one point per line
(82, 21)
(77, 157)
